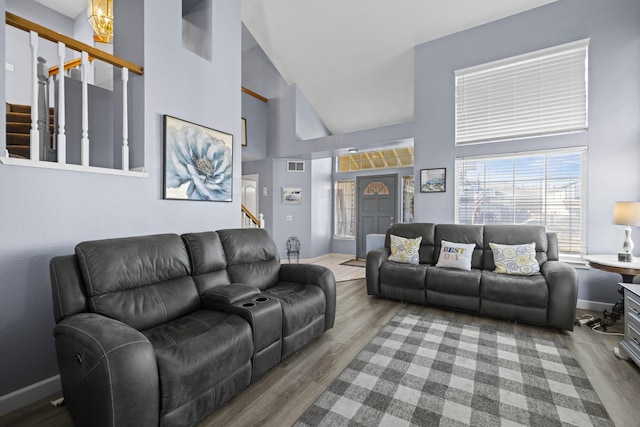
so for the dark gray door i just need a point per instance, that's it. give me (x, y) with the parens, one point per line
(376, 207)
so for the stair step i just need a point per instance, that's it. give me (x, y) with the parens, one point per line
(19, 151)
(21, 108)
(23, 118)
(18, 127)
(18, 139)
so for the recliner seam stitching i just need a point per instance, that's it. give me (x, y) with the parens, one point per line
(157, 294)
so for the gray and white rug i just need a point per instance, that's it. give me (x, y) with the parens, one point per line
(429, 371)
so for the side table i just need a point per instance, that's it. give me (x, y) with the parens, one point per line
(630, 343)
(628, 270)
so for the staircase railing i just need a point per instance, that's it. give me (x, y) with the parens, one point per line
(249, 219)
(37, 31)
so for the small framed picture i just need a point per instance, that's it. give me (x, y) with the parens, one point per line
(244, 132)
(433, 180)
(291, 196)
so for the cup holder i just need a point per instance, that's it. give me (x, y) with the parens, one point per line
(249, 304)
(262, 299)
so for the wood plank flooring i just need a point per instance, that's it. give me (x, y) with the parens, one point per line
(283, 394)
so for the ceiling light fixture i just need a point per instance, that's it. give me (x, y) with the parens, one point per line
(100, 15)
(353, 150)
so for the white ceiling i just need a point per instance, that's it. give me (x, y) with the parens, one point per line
(70, 8)
(353, 59)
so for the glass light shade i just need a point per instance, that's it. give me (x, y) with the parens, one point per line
(626, 213)
(100, 15)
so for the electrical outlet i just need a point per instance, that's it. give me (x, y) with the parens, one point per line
(583, 321)
(289, 217)
(9, 67)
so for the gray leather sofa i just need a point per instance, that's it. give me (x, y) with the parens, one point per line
(162, 329)
(548, 298)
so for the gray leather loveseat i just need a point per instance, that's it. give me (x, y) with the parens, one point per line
(548, 298)
(162, 329)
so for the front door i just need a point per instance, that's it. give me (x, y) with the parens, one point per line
(376, 207)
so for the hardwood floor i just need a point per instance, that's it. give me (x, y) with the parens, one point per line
(283, 394)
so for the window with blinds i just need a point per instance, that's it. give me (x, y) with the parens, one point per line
(535, 94)
(537, 188)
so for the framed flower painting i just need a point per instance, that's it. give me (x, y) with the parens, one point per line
(198, 162)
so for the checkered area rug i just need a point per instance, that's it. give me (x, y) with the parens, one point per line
(429, 371)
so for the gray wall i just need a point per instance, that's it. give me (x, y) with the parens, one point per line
(18, 51)
(614, 110)
(256, 113)
(46, 212)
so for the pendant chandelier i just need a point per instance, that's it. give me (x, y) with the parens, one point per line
(100, 15)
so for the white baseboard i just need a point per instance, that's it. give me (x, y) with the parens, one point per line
(594, 305)
(27, 395)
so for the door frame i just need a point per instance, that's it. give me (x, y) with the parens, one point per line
(359, 249)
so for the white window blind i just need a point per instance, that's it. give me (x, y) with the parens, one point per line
(537, 188)
(535, 94)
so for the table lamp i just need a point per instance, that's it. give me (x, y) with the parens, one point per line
(628, 214)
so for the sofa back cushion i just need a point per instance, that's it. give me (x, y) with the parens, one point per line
(460, 233)
(252, 256)
(514, 235)
(208, 262)
(142, 281)
(411, 231)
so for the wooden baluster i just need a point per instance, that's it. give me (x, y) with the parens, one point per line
(125, 121)
(34, 142)
(61, 145)
(84, 142)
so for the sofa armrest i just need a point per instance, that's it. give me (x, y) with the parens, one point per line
(108, 372)
(375, 258)
(230, 294)
(314, 275)
(562, 280)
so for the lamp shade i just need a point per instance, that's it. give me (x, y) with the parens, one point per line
(626, 213)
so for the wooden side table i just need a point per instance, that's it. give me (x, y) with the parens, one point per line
(628, 270)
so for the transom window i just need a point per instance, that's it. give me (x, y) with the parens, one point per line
(381, 159)
(538, 188)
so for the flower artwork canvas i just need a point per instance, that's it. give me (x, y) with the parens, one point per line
(198, 162)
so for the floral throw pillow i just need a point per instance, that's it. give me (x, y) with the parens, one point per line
(519, 260)
(456, 255)
(405, 250)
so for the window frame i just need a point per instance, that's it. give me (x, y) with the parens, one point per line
(581, 189)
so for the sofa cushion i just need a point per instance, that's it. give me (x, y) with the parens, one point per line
(207, 260)
(518, 260)
(403, 250)
(197, 352)
(301, 304)
(461, 233)
(412, 231)
(513, 235)
(455, 255)
(141, 281)
(252, 256)
(517, 290)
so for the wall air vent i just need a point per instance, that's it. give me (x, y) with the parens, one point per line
(295, 166)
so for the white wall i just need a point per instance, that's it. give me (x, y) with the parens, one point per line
(614, 110)
(44, 213)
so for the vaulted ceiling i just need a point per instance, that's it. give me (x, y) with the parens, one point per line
(353, 59)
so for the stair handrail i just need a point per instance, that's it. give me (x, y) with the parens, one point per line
(54, 36)
(249, 215)
(35, 32)
(53, 71)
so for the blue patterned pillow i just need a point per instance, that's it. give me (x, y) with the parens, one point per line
(519, 260)
(404, 250)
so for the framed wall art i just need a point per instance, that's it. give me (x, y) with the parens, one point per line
(433, 180)
(198, 162)
(291, 196)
